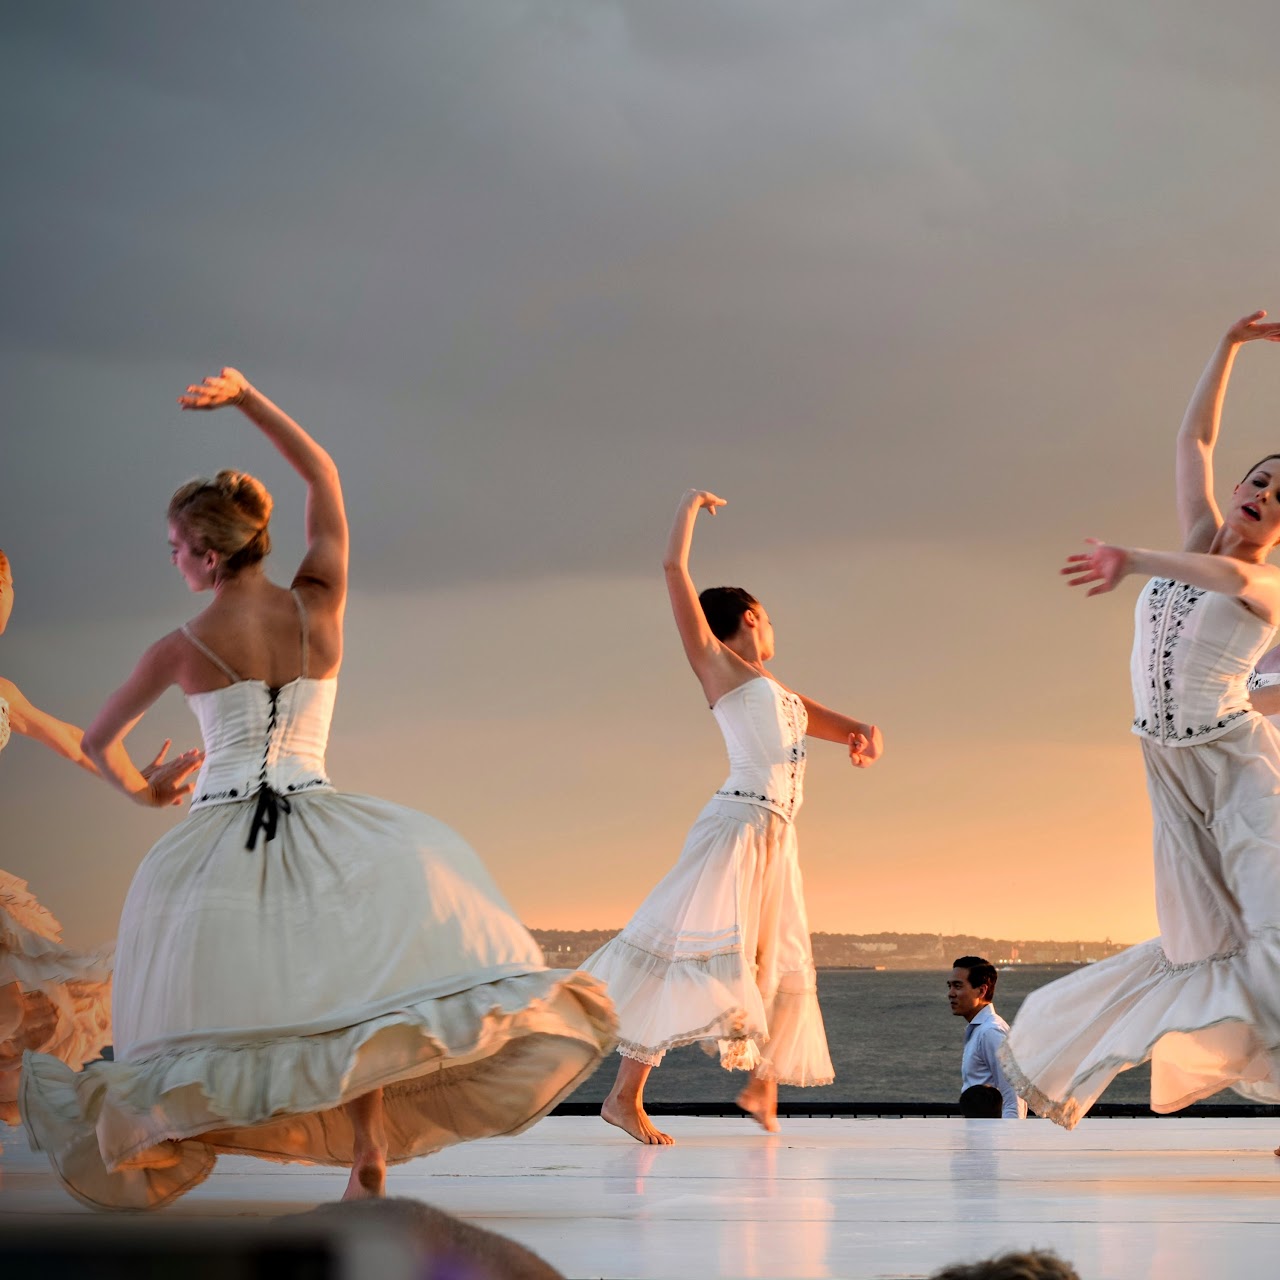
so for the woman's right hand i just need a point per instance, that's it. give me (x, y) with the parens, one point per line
(228, 387)
(1101, 568)
(1250, 328)
(696, 499)
(167, 781)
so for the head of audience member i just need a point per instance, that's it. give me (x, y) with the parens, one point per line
(449, 1248)
(971, 986)
(6, 591)
(1033, 1265)
(219, 528)
(981, 1102)
(736, 617)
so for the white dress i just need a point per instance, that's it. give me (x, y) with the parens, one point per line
(719, 952)
(1201, 1001)
(52, 999)
(288, 948)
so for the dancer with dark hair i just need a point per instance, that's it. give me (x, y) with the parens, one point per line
(53, 999)
(1201, 1001)
(719, 952)
(302, 974)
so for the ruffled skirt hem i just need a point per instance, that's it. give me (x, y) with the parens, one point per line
(52, 1000)
(487, 1061)
(665, 1002)
(1199, 1024)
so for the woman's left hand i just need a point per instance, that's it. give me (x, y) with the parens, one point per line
(865, 748)
(1103, 565)
(228, 387)
(167, 780)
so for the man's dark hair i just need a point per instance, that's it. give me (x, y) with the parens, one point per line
(981, 972)
(724, 607)
(1034, 1265)
(981, 1102)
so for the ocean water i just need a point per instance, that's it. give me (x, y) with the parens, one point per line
(893, 1038)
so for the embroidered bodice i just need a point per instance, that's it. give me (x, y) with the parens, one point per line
(1193, 651)
(764, 727)
(4, 723)
(261, 742)
(255, 736)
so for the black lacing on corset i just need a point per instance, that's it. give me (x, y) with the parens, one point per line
(266, 813)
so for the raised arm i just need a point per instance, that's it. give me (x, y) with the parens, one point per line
(1198, 514)
(716, 666)
(325, 565)
(1104, 567)
(157, 784)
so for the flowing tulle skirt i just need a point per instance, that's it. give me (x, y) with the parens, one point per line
(719, 953)
(52, 1000)
(1202, 1001)
(365, 946)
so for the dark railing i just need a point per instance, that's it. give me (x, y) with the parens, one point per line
(895, 1110)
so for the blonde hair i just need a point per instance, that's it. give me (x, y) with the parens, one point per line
(228, 514)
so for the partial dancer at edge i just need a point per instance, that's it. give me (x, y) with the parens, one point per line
(301, 974)
(52, 999)
(1201, 1001)
(720, 951)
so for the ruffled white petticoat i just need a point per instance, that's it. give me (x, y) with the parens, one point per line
(52, 1000)
(364, 946)
(1202, 1001)
(719, 953)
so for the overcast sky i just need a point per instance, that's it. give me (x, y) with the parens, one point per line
(921, 288)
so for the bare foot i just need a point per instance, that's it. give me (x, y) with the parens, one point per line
(633, 1120)
(760, 1100)
(368, 1179)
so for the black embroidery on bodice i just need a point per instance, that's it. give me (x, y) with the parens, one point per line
(1169, 605)
(796, 723)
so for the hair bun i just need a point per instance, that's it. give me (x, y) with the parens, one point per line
(248, 493)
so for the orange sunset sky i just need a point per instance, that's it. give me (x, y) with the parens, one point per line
(922, 290)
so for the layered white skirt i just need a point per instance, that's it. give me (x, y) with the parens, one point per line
(1201, 1001)
(365, 946)
(52, 1000)
(719, 953)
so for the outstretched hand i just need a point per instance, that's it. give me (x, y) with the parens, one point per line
(1103, 565)
(699, 498)
(167, 781)
(1249, 329)
(228, 387)
(865, 748)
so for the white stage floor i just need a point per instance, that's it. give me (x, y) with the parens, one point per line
(1122, 1199)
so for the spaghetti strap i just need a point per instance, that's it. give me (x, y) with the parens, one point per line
(209, 653)
(302, 617)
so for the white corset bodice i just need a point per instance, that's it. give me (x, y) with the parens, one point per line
(1193, 651)
(256, 737)
(764, 727)
(4, 723)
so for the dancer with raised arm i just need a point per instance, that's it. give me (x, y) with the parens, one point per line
(53, 999)
(301, 974)
(1201, 1001)
(719, 952)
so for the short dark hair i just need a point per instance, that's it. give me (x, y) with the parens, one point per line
(1033, 1265)
(724, 607)
(1257, 464)
(981, 972)
(982, 1102)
